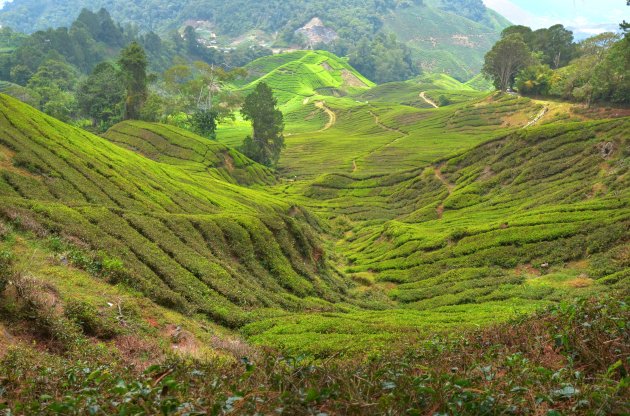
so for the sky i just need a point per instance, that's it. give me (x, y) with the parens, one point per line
(584, 17)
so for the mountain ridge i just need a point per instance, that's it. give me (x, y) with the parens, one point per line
(429, 28)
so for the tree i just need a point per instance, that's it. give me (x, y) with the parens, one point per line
(598, 45)
(534, 80)
(267, 141)
(625, 26)
(506, 58)
(204, 123)
(54, 83)
(133, 62)
(102, 95)
(556, 43)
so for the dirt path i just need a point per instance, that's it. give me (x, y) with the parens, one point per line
(441, 178)
(377, 121)
(445, 182)
(538, 117)
(428, 100)
(332, 117)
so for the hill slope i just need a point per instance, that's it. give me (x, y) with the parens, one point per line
(188, 240)
(197, 155)
(303, 74)
(393, 223)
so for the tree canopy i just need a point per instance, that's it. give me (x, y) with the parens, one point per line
(506, 58)
(101, 96)
(133, 63)
(267, 141)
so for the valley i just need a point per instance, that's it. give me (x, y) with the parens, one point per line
(422, 246)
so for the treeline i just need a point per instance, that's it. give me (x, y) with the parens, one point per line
(381, 59)
(354, 18)
(358, 23)
(74, 74)
(97, 73)
(548, 62)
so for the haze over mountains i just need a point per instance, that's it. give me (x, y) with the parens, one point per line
(444, 35)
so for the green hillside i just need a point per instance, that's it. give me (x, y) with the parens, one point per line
(444, 41)
(304, 74)
(196, 155)
(419, 248)
(188, 240)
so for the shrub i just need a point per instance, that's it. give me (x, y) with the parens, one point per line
(90, 320)
(6, 268)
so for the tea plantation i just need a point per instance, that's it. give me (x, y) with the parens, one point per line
(419, 250)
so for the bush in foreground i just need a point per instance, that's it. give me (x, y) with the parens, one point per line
(569, 359)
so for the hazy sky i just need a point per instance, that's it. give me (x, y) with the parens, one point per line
(585, 17)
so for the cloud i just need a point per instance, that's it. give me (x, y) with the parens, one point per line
(512, 12)
(584, 18)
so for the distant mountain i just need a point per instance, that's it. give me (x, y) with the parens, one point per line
(443, 35)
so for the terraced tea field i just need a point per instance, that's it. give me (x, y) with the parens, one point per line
(459, 215)
(387, 218)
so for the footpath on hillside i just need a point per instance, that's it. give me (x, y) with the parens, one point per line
(429, 101)
(332, 117)
(440, 176)
(538, 117)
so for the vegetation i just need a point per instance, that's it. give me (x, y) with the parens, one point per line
(550, 64)
(505, 60)
(418, 246)
(560, 361)
(133, 63)
(102, 95)
(267, 141)
(186, 26)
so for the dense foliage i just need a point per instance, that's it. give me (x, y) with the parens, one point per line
(505, 60)
(266, 141)
(101, 96)
(133, 63)
(384, 59)
(552, 64)
(257, 25)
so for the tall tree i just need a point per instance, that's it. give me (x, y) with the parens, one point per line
(102, 95)
(133, 62)
(625, 26)
(556, 43)
(267, 141)
(54, 83)
(506, 58)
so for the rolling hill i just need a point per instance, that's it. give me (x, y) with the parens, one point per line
(420, 246)
(64, 182)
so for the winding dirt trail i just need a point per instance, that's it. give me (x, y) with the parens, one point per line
(429, 101)
(538, 117)
(445, 182)
(377, 121)
(332, 117)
